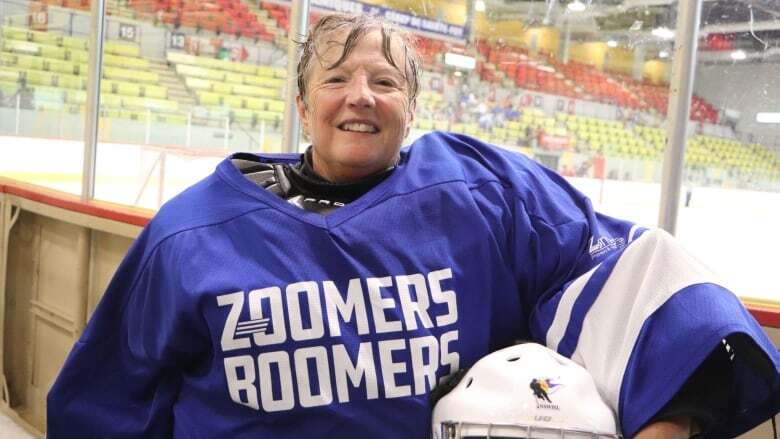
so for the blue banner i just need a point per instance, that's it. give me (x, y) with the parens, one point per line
(403, 19)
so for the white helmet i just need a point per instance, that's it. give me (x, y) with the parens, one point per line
(524, 391)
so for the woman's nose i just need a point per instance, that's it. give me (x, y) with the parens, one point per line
(359, 93)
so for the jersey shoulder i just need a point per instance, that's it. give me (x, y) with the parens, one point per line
(212, 200)
(444, 155)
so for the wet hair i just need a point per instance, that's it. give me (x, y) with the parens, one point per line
(356, 26)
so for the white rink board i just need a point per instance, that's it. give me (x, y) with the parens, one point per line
(734, 232)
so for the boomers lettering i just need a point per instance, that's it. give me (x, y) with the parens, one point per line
(366, 364)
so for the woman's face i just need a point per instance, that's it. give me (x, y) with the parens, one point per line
(358, 113)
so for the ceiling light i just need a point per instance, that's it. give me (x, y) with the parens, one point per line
(663, 32)
(479, 6)
(738, 55)
(460, 61)
(663, 54)
(612, 43)
(768, 117)
(576, 6)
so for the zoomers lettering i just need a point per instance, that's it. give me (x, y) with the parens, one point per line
(323, 344)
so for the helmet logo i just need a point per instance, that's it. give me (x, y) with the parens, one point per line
(542, 388)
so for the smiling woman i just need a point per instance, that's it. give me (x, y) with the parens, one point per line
(356, 104)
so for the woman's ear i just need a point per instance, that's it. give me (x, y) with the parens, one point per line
(302, 113)
(410, 118)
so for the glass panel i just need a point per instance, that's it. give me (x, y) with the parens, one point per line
(42, 65)
(732, 163)
(579, 86)
(185, 83)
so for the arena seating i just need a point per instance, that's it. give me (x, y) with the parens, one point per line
(429, 106)
(610, 138)
(221, 16)
(733, 155)
(280, 14)
(82, 5)
(53, 68)
(657, 98)
(243, 91)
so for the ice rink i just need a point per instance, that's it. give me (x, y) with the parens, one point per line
(734, 232)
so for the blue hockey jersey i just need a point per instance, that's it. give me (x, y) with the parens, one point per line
(237, 314)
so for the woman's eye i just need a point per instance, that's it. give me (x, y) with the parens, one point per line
(335, 79)
(386, 82)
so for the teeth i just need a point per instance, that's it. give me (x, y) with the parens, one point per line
(359, 127)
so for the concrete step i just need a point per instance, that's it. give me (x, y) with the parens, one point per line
(177, 91)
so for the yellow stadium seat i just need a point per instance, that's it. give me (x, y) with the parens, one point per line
(233, 78)
(53, 52)
(35, 77)
(198, 83)
(119, 87)
(56, 65)
(15, 33)
(24, 47)
(9, 59)
(250, 90)
(262, 81)
(199, 72)
(269, 116)
(220, 87)
(129, 75)
(256, 103)
(30, 62)
(69, 81)
(126, 49)
(180, 58)
(75, 55)
(265, 71)
(124, 61)
(280, 72)
(233, 101)
(208, 98)
(153, 91)
(277, 106)
(46, 38)
(247, 69)
(74, 43)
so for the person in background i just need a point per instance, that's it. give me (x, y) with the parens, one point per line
(327, 293)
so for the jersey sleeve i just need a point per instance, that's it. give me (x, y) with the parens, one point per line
(123, 374)
(633, 307)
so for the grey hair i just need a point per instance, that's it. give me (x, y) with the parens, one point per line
(357, 26)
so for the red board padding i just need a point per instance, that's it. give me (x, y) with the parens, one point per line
(767, 316)
(100, 209)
